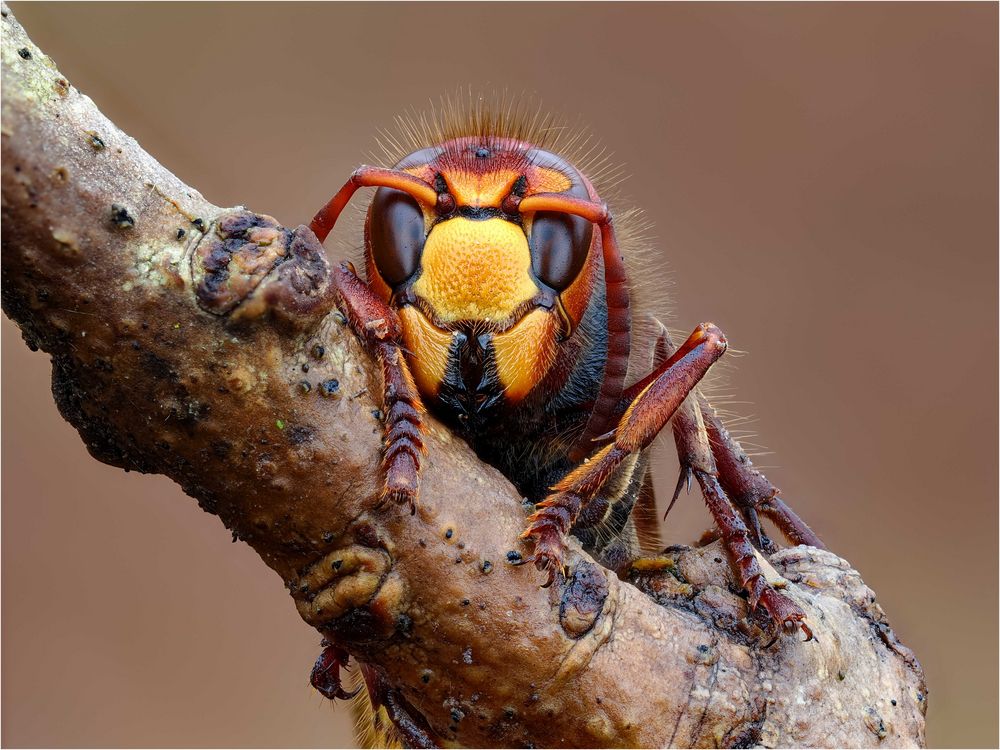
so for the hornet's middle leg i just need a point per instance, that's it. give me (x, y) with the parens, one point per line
(715, 463)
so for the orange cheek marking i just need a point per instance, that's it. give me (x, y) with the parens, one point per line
(424, 172)
(475, 270)
(427, 349)
(525, 353)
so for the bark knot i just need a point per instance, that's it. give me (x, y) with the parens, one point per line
(248, 265)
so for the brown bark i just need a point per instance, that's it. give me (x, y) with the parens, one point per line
(202, 343)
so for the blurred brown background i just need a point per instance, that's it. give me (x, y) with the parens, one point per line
(823, 184)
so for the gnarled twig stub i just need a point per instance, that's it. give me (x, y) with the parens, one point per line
(217, 328)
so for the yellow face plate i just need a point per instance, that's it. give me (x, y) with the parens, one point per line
(475, 270)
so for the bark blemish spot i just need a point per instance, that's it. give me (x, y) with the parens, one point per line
(230, 263)
(705, 655)
(121, 217)
(95, 141)
(875, 723)
(583, 599)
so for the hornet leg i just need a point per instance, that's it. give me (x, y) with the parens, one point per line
(748, 487)
(325, 675)
(408, 727)
(647, 414)
(703, 457)
(378, 327)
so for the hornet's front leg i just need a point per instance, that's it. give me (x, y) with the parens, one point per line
(379, 328)
(647, 414)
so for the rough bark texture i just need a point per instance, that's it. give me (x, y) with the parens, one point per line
(203, 343)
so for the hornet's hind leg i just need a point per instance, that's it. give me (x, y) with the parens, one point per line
(748, 487)
(378, 327)
(388, 720)
(385, 718)
(723, 472)
(325, 675)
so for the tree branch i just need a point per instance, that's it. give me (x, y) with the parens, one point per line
(213, 354)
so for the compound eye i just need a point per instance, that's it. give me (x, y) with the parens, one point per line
(559, 246)
(396, 233)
